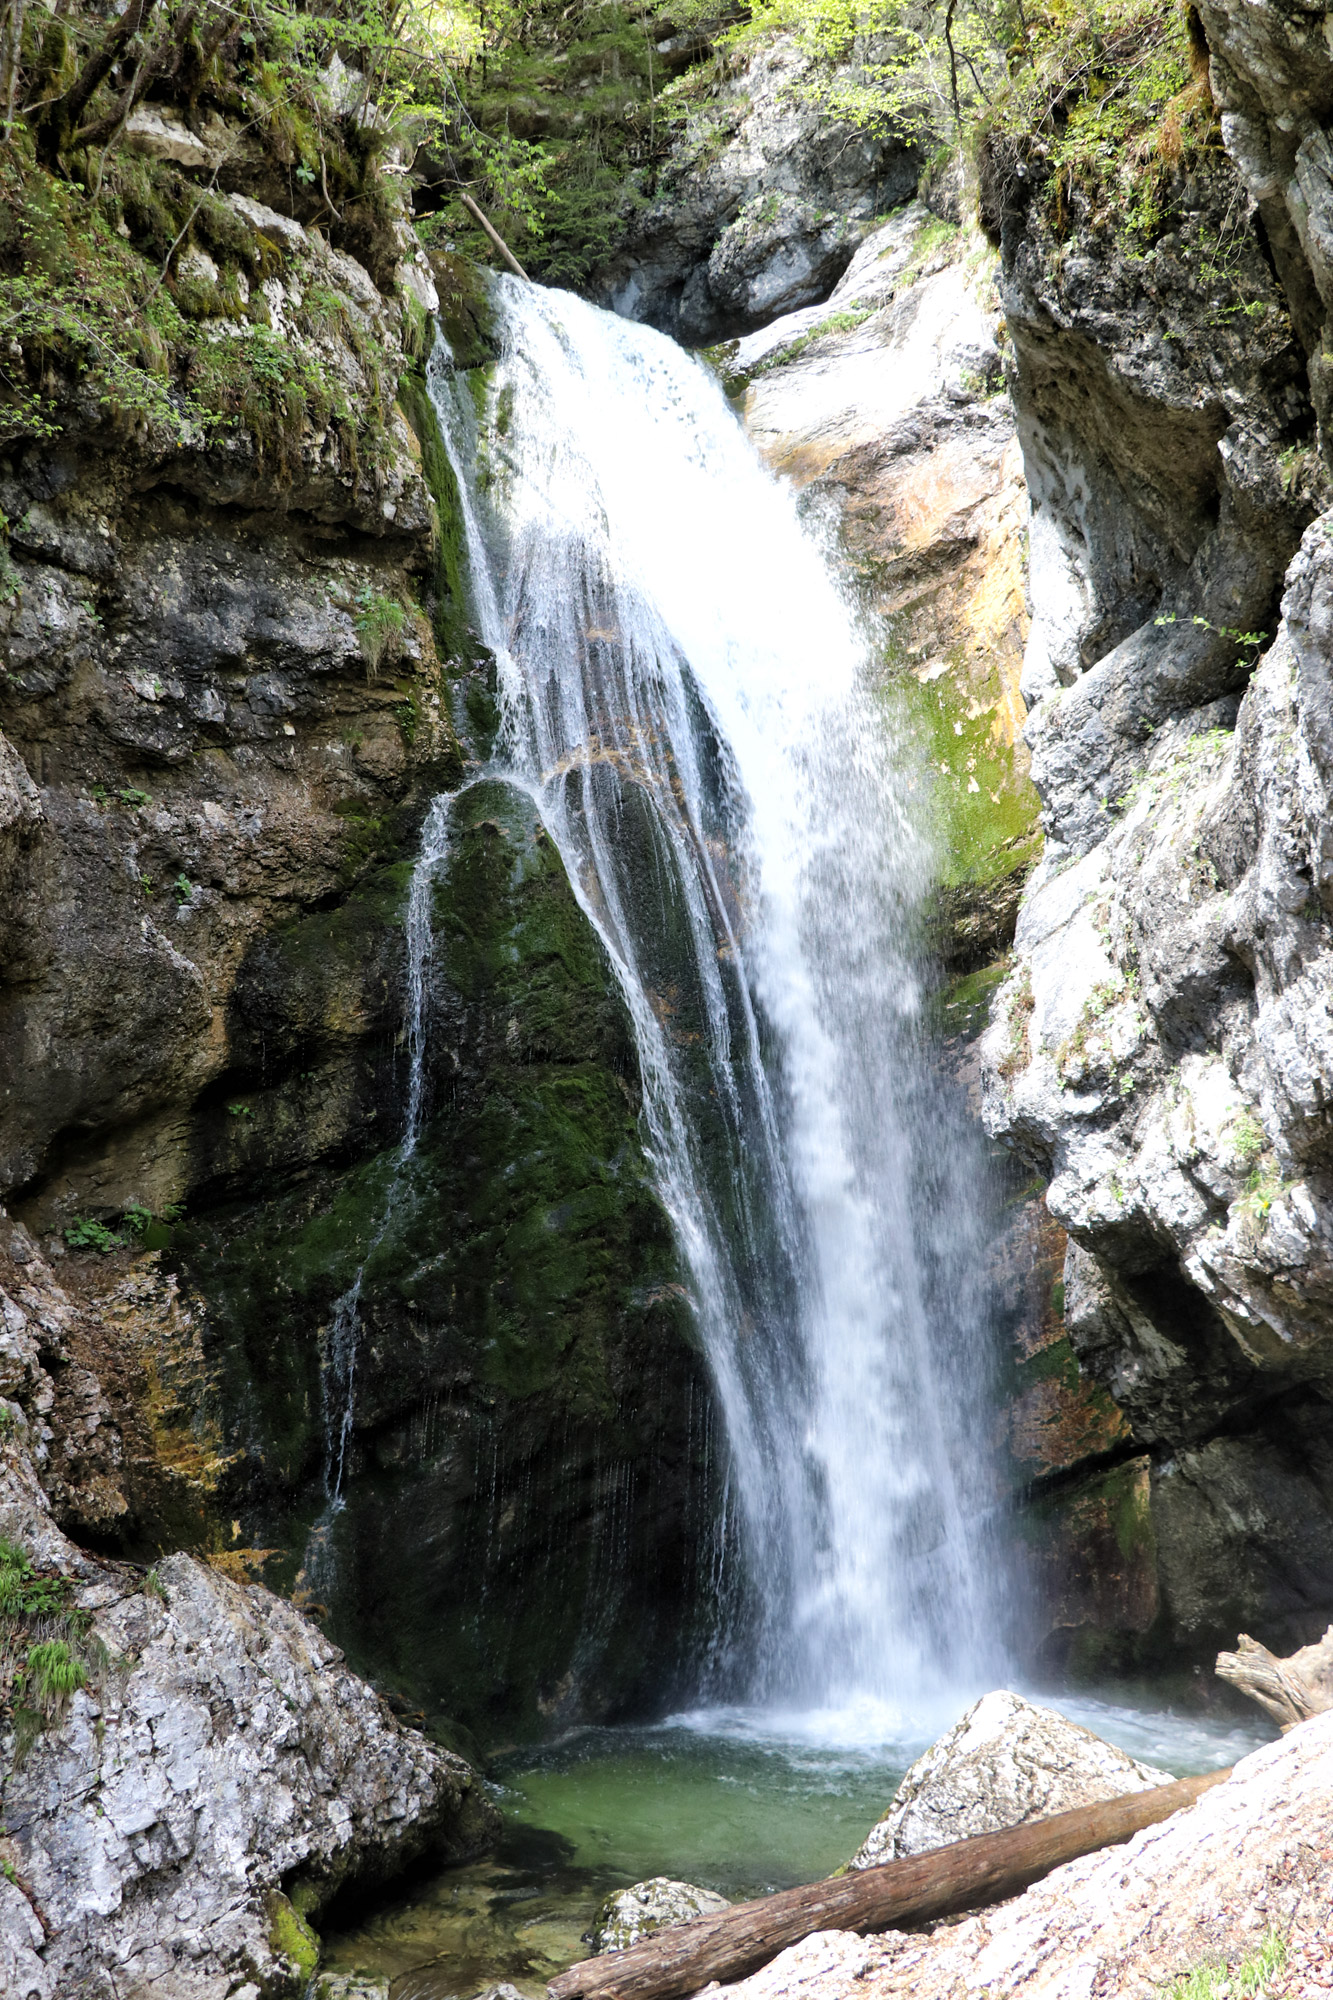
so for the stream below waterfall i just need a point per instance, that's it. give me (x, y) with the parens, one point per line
(738, 1800)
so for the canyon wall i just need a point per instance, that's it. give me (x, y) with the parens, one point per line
(1160, 1046)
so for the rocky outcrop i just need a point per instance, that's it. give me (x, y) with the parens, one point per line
(1158, 1049)
(758, 206)
(650, 1906)
(213, 1773)
(1209, 1887)
(1004, 1763)
(206, 750)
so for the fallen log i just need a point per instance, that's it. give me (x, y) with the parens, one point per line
(1289, 1689)
(484, 222)
(962, 1876)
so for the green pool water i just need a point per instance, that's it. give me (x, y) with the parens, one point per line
(732, 1800)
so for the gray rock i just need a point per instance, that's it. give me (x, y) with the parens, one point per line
(1162, 1048)
(758, 210)
(655, 1905)
(1005, 1763)
(221, 1755)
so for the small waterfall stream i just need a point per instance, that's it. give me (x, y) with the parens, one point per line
(686, 696)
(342, 1337)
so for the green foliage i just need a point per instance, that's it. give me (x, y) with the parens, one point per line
(183, 888)
(130, 795)
(54, 1671)
(1232, 1980)
(1252, 643)
(45, 1651)
(379, 622)
(84, 1233)
(1248, 1138)
(26, 1594)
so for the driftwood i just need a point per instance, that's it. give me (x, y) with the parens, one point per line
(962, 1876)
(479, 217)
(1289, 1689)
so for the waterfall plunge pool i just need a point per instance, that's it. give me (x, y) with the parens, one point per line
(741, 1800)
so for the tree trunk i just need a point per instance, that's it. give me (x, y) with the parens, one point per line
(962, 1876)
(1289, 1689)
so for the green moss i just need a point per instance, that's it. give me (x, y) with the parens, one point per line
(983, 809)
(449, 603)
(520, 1294)
(290, 1937)
(963, 1007)
(1129, 1498)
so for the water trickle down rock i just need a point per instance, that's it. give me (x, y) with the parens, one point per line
(1004, 1763)
(655, 1905)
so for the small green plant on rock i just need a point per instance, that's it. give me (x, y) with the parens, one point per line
(1018, 1054)
(379, 626)
(1226, 1980)
(1248, 1138)
(86, 1234)
(1262, 1189)
(45, 1651)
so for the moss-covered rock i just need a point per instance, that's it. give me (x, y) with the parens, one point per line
(523, 1490)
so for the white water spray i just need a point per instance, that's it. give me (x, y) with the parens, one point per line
(684, 694)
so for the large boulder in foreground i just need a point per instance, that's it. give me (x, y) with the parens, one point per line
(220, 1771)
(1250, 1862)
(647, 1907)
(1005, 1763)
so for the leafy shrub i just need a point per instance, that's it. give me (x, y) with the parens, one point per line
(86, 1234)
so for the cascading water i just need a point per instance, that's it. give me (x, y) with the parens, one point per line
(685, 695)
(342, 1337)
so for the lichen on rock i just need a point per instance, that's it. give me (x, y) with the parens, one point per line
(649, 1907)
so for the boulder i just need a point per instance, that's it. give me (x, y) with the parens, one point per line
(1006, 1762)
(218, 1754)
(1246, 1871)
(655, 1905)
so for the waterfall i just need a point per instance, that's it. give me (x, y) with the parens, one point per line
(686, 696)
(342, 1337)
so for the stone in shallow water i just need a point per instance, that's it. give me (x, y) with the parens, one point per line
(1005, 1763)
(650, 1906)
(351, 1986)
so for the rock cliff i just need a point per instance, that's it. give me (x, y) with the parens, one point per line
(205, 1773)
(1159, 1048)
(237, 672)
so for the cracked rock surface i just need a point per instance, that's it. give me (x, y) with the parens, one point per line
(221, 1767)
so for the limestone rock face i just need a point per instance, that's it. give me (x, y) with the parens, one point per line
(650, 1906)
(220, 1755)
(758, 210)
(1160, 1049)
(1005, 1763)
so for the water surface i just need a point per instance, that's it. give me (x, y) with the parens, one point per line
(741, 1800)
